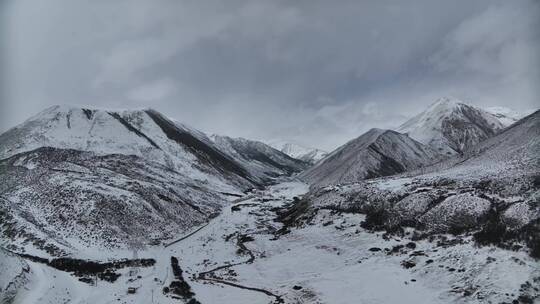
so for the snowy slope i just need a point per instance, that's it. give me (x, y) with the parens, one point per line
(59, 201)
(242, 257)
(513, 151)
(261, 160)
(450, 126)
(310, 155)
(376, 153)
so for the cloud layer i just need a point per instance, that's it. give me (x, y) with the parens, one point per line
(316, 72)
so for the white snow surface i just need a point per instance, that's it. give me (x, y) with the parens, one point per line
(330, 264)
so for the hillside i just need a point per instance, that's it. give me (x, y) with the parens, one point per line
(375, 153)
(260, 160)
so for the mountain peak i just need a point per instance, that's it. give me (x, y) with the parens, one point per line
(294, 150)
(445, 105)
(448, 100)
(376, 131)
(451, 126)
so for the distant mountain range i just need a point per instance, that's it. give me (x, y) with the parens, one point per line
(309, 155)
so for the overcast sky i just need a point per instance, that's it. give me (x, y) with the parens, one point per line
(315, 72)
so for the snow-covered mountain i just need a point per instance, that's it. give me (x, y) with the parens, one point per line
(375, 153)
(512, 152)
(450, 126)
(76, 178)
(466, 208)
(143, 133)
(310, 155)
(258, 158)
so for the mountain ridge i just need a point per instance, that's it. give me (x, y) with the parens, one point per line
(378, 152)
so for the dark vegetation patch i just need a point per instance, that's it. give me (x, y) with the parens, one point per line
(179, 286)
(86, 270)
(408, 264)
(232, 194)
(291, 215)
(494, 232)
(352, 208)
(411, 245)
(376, 219)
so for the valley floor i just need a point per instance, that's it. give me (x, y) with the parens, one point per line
(239, 258)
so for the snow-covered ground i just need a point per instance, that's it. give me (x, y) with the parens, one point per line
(329, 260)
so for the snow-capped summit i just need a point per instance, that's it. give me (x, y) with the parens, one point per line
(97, 178)
(451, 126)
(376, 153)
(306, 154)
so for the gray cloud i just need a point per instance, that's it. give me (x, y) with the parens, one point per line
(316, 72)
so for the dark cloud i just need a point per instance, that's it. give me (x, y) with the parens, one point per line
(316, 72)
